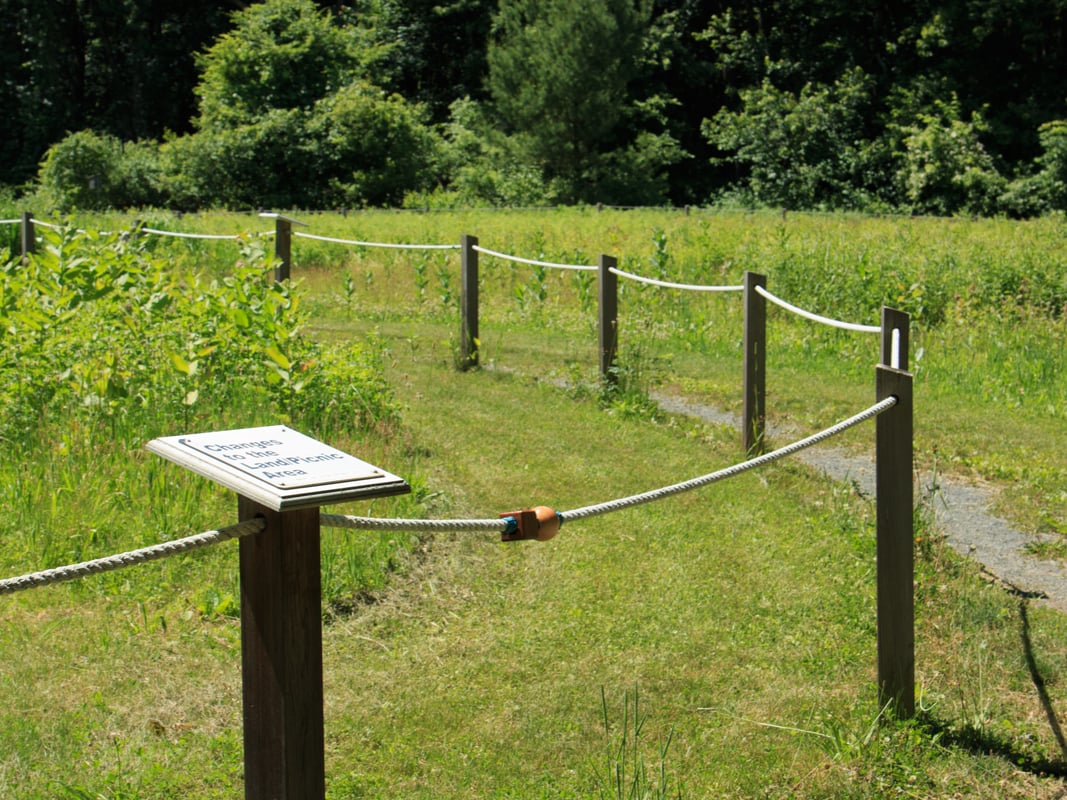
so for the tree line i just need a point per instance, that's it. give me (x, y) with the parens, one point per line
(924, 107)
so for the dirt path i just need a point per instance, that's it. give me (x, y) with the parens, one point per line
(961, 510)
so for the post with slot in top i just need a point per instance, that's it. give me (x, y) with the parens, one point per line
(281, 655)
(753, 414)
(895, 532)
(468, 302)
(609, 319)
(28, 236)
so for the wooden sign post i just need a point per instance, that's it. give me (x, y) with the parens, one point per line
(282, 477)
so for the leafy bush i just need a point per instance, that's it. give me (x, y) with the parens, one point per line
(96, 328)
(800, 150)
(363, 147)
(96, 171)
(253, 165)
(945, 169)
(1052, 175)
(483, 167)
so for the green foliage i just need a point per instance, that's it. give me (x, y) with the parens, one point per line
(483, 166)
(96, 327)
(88, 170)
(566, 95)
(287, 121)
(945, 169)
(1050, 182)
(365, 148)
(800, 150)
(281, 55)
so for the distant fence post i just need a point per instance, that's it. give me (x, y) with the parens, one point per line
(283, 248)
(283, 244)
(609, 318)
(895, 526)
(281, 655)
(754, 414)
(29, 238)
(468, 302)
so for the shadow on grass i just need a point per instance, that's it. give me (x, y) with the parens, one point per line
(979, 741)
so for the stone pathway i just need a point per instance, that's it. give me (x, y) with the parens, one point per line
(961, 512)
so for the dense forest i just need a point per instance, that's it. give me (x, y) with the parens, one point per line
(926, 107)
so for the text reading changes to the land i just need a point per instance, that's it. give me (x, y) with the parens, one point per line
(280, 456)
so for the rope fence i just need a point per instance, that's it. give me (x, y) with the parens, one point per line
(502, 525)
(357, 243)
(207, 236)
(754, 290)
(833, 323)
(532, 261)
(669, 285)
(129, 559)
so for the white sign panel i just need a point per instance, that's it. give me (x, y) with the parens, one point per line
(278, 467)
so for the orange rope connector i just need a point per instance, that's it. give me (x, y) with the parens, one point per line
(540, 523)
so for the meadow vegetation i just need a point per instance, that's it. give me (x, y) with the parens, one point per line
(717, 644)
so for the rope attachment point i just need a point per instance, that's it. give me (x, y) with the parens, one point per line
(540, 523)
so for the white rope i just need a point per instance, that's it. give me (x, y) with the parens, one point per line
(383, 524)
(502, 525)
(376, 244)
(848, 326)
(668, 285)
(59, 574)
(532, 261)
(729, 472)
(10, 221)
(196, 235)
(44, 224)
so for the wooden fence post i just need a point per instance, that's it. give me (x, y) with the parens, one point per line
(754, 415)
(28, 236)
(468, 302)
(895, 533)
(283, 248)
(609, 319)
(281, 655)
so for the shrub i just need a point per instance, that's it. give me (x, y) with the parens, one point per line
(800, 149)
(88, 170)
(364, 147)
(945, 169)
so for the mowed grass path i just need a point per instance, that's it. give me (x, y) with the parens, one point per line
(742, 615)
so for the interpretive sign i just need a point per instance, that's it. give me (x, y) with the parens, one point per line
(278, 467)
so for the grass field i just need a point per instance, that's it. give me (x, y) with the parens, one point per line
(718, 644)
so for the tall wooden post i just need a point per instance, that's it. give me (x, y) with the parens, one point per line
(468, 302)
(895, 538)
(281, 655)
(609, 318)
(754, 414)
(28, 236)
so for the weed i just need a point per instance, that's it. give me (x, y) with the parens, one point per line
(625, 774)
